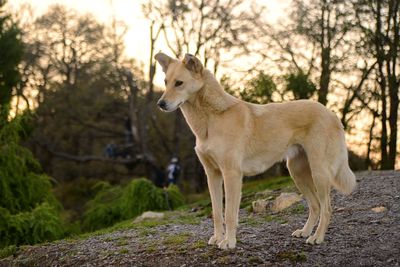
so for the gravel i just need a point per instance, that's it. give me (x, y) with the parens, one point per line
(357, 236)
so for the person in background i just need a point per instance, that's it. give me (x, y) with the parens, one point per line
(128, 129)
(173, 171)
(110, 150)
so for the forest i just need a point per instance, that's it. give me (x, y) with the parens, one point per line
(69, 92)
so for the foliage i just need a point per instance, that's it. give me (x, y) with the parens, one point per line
(259, 90)
(115, 203)
(104, 209)
(11, 49)
(31, 227)
(141, 195)
(29, 212)
(300, 85)
(175, 197)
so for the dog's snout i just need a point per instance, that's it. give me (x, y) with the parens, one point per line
(162, 104)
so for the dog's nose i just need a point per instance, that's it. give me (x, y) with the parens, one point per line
(162, 104)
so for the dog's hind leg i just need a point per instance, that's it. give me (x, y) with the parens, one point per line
(321, 177)
(299, 169)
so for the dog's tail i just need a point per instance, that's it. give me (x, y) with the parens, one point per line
(345, 180)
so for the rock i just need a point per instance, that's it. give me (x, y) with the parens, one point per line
(265, 194)
(284, 201)
(150, 215)
(260, 205)
(379, 209)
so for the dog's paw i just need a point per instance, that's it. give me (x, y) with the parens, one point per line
(301, 233)
(215, 240)
(227, 243)
(314, 240)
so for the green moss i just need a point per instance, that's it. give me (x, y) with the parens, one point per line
(199, 244)
(151, 248)
(293, 256)
(252, 221)
(122, 242)
(297, 209)
(254, 260)
(123, 251)
(274, 218)
(176, 239)
(271, 183)
(8, 251)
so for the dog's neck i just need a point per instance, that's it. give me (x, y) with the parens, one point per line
(210, 100)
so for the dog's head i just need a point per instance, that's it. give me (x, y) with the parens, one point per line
(182, 80)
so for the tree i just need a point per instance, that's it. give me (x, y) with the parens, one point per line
(300, 85)
(314, 40)
(378, 22)
(204, 27)
(259, 90)
(11, 49)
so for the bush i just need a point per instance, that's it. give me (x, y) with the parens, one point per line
(175, 197)
(29, 212)
(114, 203)
(104, 209)
(141, 195)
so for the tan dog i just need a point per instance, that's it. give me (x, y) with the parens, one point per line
(236, 138)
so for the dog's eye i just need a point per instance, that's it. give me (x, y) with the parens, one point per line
(165, 81)
(178, 83)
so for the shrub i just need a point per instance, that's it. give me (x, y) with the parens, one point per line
(115, 203)
(175, 197)
(29, 212)
(104, 209)
(141, 195)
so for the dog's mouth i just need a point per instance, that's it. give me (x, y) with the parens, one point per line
(166, 108)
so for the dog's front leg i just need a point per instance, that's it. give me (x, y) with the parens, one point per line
(233, 187)
(214, 180)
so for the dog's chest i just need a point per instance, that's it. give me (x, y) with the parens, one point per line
(258, 163)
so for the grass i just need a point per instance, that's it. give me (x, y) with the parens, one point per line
(122, 242)
(293, 256)
(183, 215)
(123, 251)
(199, 244)
(249, 190)
(8, 251)
(274, 217)
(177, 239)
(271, 183)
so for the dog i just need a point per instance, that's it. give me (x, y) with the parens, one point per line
(235, 138)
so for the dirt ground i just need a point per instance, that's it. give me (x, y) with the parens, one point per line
(357, 236)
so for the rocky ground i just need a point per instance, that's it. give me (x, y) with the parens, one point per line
(357, 236)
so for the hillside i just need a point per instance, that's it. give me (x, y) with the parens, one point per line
(357, 236)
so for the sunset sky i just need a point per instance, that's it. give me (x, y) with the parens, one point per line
(129, 11)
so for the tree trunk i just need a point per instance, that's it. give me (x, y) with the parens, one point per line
(391, 65)
(380, 56)
(368, 162)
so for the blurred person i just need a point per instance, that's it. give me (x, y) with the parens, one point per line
(173, 171)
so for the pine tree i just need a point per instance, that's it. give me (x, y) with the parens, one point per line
(11, 50)
(29, 212)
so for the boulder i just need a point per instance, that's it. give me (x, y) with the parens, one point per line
(150, 215)
(284, 201)
(260, 205)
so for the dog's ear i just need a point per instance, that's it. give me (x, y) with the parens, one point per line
(164, 60)
(193, 64)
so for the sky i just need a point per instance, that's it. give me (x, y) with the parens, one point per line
(129, 11)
